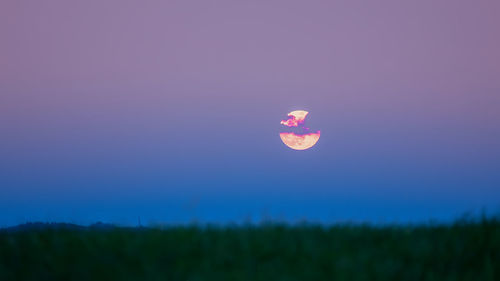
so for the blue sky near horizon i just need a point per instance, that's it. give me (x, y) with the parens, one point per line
(171, 111)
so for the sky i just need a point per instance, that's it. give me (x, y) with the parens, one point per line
(169, 111)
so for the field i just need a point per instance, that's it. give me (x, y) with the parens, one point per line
(464, 250)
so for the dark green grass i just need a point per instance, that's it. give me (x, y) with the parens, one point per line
(465, 250)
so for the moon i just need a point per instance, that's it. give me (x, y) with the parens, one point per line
(301, 138)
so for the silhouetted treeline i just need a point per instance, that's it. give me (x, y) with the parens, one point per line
(465, 250)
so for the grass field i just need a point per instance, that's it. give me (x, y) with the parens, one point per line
(465, 250)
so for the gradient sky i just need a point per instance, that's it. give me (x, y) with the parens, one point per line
(170, 111)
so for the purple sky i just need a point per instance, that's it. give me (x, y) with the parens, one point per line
(113, 109)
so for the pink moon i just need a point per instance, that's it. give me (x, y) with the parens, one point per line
(298, 141)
